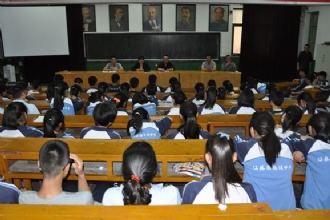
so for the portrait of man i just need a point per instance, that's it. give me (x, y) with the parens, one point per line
(185, 17)
(88, 14)
(152, 17)
(218, 20)
(118, 17)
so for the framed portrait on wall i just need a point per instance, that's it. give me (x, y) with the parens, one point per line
(218, 18)
(152, 17)
(88, 14)
(185, 17)
(118, 15)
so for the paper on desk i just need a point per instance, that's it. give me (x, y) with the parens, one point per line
(39, 119)
(233, 102)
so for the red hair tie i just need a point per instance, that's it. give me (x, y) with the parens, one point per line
(116, 100)
(136, 178)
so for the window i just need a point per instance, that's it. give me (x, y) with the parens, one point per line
(237, 30)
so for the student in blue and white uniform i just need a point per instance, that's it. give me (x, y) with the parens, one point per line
(139, 168)
(177, 99)
(176, 86)
(77, 102)
(290, 121)
(140, 126)
(209, 106)
(189, 129)
(225, 185)
(268, 163)
(306, 103)
(103, 88)
(19, 95)
(104, 115)
(95, 99)
(54, 125)
(151, 91)
(120, 100)
(140, 100)
(60, 101)
(171, 82)
(9, 193)
(92, 80)
(316, 193)
(14, 122)
(276, 99)
(200, 94)
(245, 103)
(152, 79)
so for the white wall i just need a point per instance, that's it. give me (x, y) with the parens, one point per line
(169, 11)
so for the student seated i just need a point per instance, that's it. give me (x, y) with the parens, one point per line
(9, 193)
(125, 88)
(139, 167)
(92, 80)
(189, 129)
(224, 185)
(323, 106)
(309, 79)
(209, 106)
(177, 99)
(321, 79)
(211, 83)
(60, 101)
(140, 100)
(289, 122)
(302, 81)
(104, 115)
(103, 89)
(19, 95)
(275, 101)
(228, 86)
(50, 91)
(54, 125)
(176, 86)
(120, 100)
(3, 94)
(115, 85)
(245, 103)
(152, 79)
(268, 163)
(79, 82)
(171, 81)
(55, 162)
(316, 194)
(58, 78)
(306, 103)
(140, 126)
(95, 99)
(36, 88)
(77, 102)
(134, 83)
(200, 94)
(14, 122)
(151, 91)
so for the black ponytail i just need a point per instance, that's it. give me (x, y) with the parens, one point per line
(59, 94)
(199, 88)
(190, 129)
(52, 120)
(321, 124)
(136, 122)
(310, 104)
(211, 97)
(263, 123)
(292, 117)
(135, 194)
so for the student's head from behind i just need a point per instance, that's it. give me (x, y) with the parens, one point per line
(322, 75)
(306, 101)
(15, 114)
(262, 126)
(290, 118)
(199, 88)
(271, 87)
(171, 80)
(50, 92)
(136, 122)
(220, 157)
(310, 78)
(211, 97)
(246, 98)
(75, 90)
(61, 89)
(92, 80)
(18, 92)
(104, 114)
(302, 73)
(139, 167)
(179, 97)
(176, 86)
(134, 82)
(276, 97)
(125, 87)
(190, 129)
(120, 100)
(319, 126)
(140, 98)
(152, 78)
(53, 123)
(78, 81)
(58, 78)
(228, 86)
(54, 159)
(115, 78)
(36, 85)
(151, 89)
(103, 87)
(211, 82)
(96, 96)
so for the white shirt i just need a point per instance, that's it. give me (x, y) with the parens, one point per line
(31, 108)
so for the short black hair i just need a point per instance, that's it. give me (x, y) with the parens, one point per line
(78, 80)
(92, 80)
(310, 77)
(12, 114)
(141, 58)
(172, 79)
(36, 84)
(17, 91)
(115, 78)
(246, 98)
(58, 78)
(277, 97)
(152, 78)
(113, 57)
(134, 82)
(307, 45)
(54, 155)
(179, 97)
(322, 73)
(211, 82)
(104, 113)
(140, 98)
(151, 89)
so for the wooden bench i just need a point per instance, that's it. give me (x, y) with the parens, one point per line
(18, 158)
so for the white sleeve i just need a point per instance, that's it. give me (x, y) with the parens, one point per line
(113, 196)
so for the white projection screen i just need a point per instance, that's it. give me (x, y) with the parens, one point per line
(34, 31)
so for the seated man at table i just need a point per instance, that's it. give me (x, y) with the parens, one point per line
(113, 65)
(141, 65)
(165, 65)
(19, 95)
(208, 65)
(55, 162)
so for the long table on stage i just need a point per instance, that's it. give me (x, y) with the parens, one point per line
(187, 78)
